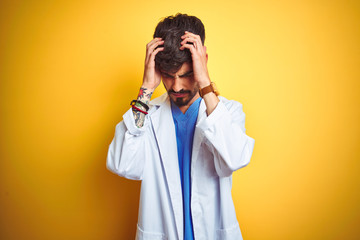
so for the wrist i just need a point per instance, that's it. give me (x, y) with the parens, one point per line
(148, 86)
(211, 88)
(147, 89)
(145, 94)
(204, 83)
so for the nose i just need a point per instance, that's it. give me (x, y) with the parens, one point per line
(177, 86)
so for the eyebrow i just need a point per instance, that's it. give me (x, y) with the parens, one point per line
(183, 75)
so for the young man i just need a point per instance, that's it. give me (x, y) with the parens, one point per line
(183, 145)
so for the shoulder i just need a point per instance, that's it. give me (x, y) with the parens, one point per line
(158, 102)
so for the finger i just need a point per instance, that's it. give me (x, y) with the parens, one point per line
(197, 44)
(191, 34)
(188, 46)
(188, 38)
(194, 42)
(153, 54)
(156, 42)
(151, 47)
(153, 44)
(155, 39)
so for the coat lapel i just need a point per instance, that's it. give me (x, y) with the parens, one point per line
(164, 129)
(197, 136)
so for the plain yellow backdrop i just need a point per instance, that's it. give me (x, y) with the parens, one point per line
(69, 69)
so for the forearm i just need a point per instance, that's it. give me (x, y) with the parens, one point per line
(143, 96)
(211, 101)
(224, 131)
(123, 158)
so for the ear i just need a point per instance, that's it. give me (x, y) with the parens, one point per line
(206, 54)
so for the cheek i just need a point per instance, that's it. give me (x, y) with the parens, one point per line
(194, 86)
(167, 83)
(191, 83)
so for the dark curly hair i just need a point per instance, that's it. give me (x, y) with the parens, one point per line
(170, 29)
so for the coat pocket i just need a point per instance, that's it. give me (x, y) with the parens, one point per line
(146, 235)
(230, 233)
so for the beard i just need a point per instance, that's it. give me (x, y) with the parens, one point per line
(182, 101)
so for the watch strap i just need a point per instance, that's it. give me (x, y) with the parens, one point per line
(207, 89)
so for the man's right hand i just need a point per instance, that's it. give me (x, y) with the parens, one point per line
(152, 79)
(152, 75)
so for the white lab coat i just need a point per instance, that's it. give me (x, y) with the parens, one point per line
(150, 154)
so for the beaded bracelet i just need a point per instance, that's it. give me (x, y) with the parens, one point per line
(139, 110)
(133, 102)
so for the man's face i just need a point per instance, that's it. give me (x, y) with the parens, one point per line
(181, 86)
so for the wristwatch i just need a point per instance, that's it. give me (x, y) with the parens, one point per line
(207, 89)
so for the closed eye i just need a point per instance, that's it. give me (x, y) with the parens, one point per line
(167, 75)
(188, 74)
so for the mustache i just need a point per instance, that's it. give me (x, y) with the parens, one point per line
(181, 91)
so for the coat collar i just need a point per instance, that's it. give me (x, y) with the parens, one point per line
(164, 129)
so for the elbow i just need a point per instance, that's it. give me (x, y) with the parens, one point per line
(110, 163)
(226, 165)
(123, 169)
(241, 162)
(245, 154)
(228, 169)
(123, 159)
(123, 172)
(244, 163)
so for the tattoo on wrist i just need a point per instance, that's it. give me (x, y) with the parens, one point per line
(139, 118)
(144, 96)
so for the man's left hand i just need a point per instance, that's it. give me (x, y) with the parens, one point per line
(199, 57)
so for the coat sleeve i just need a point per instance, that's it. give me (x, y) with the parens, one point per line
(224, 134)
(126, 153)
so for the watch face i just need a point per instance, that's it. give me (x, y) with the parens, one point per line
(210, 88)
(215, 90)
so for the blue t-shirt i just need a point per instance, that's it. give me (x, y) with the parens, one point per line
(185, 127)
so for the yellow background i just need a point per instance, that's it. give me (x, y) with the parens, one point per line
(69, 69)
